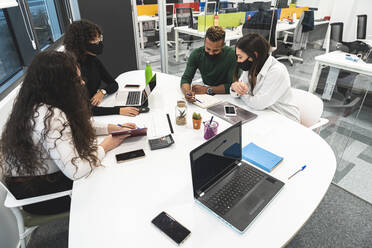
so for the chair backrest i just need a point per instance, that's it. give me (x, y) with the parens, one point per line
(264, 23)
(169, 9)
(337, 30)
(184, 17)
(309, 105)
(361, 27)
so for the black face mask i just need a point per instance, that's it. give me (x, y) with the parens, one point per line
(245, 65)
(212, 57)
(95, 48)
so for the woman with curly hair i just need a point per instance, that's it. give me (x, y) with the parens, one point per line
(85, 40)
(48, 141)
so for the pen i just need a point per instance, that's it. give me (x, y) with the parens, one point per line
(194, 98)
(302, 168)
(170, 124)
(119, 125)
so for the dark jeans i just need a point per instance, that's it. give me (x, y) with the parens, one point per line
(31, 186)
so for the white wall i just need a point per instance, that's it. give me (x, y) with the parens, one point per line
(346, 11)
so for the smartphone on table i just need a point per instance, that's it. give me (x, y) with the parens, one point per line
(172, 228)
(230, 111)
(131, 86)
(121, 157)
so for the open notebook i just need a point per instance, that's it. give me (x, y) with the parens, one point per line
(206, 100)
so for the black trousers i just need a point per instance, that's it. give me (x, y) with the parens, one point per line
(31, 186)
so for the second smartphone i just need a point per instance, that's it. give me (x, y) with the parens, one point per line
(121, 157)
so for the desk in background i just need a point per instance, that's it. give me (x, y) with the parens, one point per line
(337, 60)
(231, 34)
(114, 205)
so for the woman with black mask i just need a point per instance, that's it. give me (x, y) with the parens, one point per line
(265, 82)
(85, 40)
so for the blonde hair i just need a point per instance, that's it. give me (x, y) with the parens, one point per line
(215, 33)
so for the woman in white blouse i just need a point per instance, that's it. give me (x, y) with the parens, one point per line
(49, 139)
(265, 82)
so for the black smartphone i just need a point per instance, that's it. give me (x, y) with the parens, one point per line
(121, 157)
(173, 229)
(131, 86)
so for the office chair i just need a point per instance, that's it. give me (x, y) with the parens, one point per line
(211, 8)
(311, 109)
(184, 18)
(300, 38)
(264, 23)
(170, 24)
(26, 222)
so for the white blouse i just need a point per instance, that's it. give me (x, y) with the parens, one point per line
(59, 149)
(272, 90)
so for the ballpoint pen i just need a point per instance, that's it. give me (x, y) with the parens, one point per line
(194, 98)
(302, 168)
(119, 125)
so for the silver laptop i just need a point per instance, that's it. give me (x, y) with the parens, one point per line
(128, 98)
(227, 186)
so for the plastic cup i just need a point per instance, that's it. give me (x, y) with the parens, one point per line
(210, 129)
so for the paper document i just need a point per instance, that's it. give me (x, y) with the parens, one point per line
(205, 101)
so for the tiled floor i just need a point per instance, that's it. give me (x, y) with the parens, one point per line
(350, 137)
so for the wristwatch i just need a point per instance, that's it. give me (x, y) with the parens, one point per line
(210, 91)
(103, 91)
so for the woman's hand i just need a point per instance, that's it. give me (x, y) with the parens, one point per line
(110, 142)
(97, 98)
(240, 88)
(123, 127)
(129, 111)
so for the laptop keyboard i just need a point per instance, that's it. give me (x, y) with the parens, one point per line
(241, 183)
(133, 98)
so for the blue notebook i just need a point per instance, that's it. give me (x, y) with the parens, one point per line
(260, 157)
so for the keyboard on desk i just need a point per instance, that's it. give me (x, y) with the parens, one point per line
(232, 192)
(133, 98)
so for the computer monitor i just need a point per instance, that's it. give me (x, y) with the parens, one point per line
(281, 4)
(211, 8)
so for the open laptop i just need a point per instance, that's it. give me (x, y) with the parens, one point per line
(232, 189)
(126, 97)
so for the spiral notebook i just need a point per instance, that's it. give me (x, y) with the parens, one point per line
(205, 101)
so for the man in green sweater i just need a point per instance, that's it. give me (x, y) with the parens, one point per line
(216, 63)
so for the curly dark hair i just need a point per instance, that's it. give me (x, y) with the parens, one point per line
(215, 33)
(78, 35)
(51, 80)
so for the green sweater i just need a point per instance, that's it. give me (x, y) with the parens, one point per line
(214, 73)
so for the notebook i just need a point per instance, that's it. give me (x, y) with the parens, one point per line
(206, 100)
(260, 157)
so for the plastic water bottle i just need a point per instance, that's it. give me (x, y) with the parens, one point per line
(148, 72)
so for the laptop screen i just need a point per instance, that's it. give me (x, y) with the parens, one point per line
(215, 157)
(148, 89)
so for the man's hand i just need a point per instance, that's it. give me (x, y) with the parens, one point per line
(240, 88)
(198, 89)
(97, 98)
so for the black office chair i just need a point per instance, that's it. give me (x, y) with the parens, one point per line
(184, 18)
(361, 27)
(264, 23)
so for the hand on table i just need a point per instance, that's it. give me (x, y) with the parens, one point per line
(198, 89)
(129, 111)
(190, 96)
(97, 98)
(123, 127)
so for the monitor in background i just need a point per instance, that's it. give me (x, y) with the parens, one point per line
(281, 4)
(211, 8)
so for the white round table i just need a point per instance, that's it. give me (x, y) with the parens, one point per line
(114, 206)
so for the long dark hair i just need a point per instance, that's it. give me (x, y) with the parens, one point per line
(78, 35)
(250, 44)
(51, 80)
